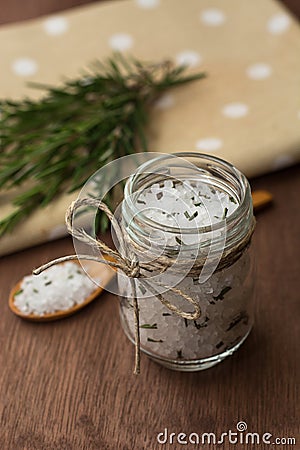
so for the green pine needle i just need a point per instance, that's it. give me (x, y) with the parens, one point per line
(56, 143)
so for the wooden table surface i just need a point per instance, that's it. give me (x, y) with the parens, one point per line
(69, 385)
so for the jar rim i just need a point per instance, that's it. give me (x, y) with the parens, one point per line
(230, 221)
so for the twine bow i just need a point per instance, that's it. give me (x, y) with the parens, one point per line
(123, 259)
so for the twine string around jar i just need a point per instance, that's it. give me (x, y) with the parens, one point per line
(125, 260)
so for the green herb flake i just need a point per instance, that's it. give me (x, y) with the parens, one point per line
(205, 196)
(178, 240)
(222, 293)
(242, 316)
(232, 199)
(154, 340)
(197, 325)
(225, 214)
(35, 290)
(70, 277)
(18, 292)
(193, 216)
(179, 354)
(149, 327)
(48, 282)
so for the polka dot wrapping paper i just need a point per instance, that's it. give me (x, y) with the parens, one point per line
(246, 111)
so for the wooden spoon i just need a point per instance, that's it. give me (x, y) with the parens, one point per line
(260, 200)
(95, 269)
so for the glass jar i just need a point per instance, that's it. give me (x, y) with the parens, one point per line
(189, 208)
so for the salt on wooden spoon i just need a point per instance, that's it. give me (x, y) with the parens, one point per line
(260, 199)
(95, 270)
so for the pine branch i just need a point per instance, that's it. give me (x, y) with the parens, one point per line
(56, 142)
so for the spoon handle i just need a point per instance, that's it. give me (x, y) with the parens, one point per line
(261, 199)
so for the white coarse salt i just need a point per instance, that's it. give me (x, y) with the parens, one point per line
(185, 204)
(56, 289)
(223, 299)
(224, 318)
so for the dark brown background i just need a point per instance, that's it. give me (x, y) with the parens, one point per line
(15, 10)
(69, 385)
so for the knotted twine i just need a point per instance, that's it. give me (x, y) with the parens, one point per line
(125, 260)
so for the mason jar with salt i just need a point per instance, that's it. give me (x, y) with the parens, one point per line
(188, 218)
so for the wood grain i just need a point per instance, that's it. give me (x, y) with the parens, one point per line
(293, 5)
(14, 10)
(68, 385)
